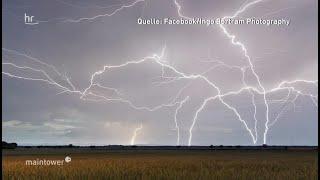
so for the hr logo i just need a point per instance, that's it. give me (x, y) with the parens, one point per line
(29, 20)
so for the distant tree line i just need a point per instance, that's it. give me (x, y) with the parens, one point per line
(6, 145)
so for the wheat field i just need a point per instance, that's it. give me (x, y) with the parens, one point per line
(166, 165)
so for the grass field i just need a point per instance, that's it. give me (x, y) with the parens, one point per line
(99, 164)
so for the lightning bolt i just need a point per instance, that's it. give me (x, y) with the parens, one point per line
(259, 90)
(121, 7)
(245, 52)
(135, 133)
(87, 93)
(103, 15)
(176, 120)
(50, 75)
(237, 43)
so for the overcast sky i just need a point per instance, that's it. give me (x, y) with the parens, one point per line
(36, 112)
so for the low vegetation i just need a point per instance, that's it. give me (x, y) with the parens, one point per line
(99, 164)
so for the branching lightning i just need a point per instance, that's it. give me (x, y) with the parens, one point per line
(103, 15)
(260, 89)
(49, 74)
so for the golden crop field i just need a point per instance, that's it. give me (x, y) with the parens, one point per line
(164, 165)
